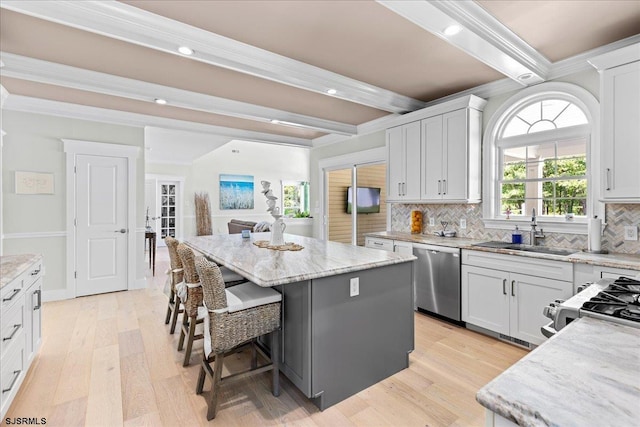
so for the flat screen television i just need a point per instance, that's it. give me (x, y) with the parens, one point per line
(368, 200)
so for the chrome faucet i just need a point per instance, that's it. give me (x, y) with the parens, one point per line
(534, 235)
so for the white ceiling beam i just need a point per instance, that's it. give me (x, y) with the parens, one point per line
(25, 68)
(124, 22)
(83, 112)
(482, 36)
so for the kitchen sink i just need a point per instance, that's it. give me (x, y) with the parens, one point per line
(527, 248)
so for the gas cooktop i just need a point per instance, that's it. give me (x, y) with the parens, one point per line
(619, 299)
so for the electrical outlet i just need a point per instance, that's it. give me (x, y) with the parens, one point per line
(463, 223)
(631, 232)
(354, 287)
(432, 222)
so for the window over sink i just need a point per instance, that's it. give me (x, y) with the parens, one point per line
(537, 156)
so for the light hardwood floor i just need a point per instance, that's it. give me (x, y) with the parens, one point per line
(108, 360)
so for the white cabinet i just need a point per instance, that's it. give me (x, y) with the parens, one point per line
(403, 177)
(504, 300)
(403, 248)
(20, 329)
(378, 243)
(620, 127)
(584, 273)
(451, 157)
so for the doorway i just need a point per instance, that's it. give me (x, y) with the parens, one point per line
(344, 223)
(164, 201)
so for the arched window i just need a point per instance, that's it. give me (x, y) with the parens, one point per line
(538, 145)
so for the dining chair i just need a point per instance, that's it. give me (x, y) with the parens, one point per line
(174, 274)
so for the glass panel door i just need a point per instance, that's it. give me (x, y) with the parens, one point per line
(168, 209)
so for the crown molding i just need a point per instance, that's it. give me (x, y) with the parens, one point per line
(624, 55)
(83, 112)
(124, 22)
(482, 36)
(22, 67)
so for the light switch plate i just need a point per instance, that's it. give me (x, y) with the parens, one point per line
(354, 287)
(432, 222)
(463, 223)
(631, 232)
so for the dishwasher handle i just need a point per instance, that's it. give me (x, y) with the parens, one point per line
(435, 249)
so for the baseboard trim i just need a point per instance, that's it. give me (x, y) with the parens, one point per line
(140, 284)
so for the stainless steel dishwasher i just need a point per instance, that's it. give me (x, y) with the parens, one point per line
(437, 280)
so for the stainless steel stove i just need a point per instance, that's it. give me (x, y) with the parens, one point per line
(614, 300)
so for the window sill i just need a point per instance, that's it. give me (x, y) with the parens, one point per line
(577, 226)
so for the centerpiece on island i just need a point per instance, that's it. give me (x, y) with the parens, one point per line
(278, 226)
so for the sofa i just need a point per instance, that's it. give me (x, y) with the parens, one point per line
(236, 226)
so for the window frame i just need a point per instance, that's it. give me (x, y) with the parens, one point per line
(492, 217)
(292, 183)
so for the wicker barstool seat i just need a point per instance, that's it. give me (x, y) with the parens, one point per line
(175, 274)
(191, 317)
(236, 316)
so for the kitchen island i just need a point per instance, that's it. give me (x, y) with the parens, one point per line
(347, 313)
(586, 375)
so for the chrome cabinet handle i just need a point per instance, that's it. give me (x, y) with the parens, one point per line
(444, 186)
(39, 293)
(513, 286)
(15, 292)
(15, 378)
(16, 328)
(404, 188)
(608, 180)
(399, 189)
(122, 230)
(504, 286)
(439, 187)
(35, 272)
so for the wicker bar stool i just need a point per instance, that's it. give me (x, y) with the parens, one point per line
(192, 315)
(236, 316)
(175, 274)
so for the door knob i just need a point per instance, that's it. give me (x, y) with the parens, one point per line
(122, 230)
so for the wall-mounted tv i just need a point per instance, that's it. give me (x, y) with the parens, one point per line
(368, 200)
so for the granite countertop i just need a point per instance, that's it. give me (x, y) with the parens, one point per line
(11, 266)
(586, 375)
(615, 260)
(267, 267)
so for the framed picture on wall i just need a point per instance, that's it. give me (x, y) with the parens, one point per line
(236, 191)
(34, 183)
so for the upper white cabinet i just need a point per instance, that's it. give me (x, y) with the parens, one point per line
(403, 145)
(434, 156)
(620, 126)
(451, 157)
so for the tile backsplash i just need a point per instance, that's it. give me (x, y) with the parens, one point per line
(617, 216)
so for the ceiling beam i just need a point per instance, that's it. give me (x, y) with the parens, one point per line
(482, 36)
(133, 25)
(25, 68)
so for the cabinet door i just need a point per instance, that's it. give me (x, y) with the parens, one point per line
(404, 248)
(454, 155)
(621, 132)
(529, 295)
(432, 158)
(485, 298)
(411, 188)
(34, 295)
(395, 165)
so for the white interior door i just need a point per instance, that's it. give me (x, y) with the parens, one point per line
(101, 230)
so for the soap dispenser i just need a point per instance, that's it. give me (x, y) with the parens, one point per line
(516, 236)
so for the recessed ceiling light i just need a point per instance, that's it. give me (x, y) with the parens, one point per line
(525, 76)
(332, 91)
(452, 30)
(160, 101)
(275, 122)
(185, 50)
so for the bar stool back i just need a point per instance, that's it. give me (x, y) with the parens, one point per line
(175, 274)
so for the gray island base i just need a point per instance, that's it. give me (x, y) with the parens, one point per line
(333, 344)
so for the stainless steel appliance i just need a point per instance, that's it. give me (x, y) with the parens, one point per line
(615, 300)
(437, 280)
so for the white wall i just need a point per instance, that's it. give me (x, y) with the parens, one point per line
(268, 162)
(37, 223)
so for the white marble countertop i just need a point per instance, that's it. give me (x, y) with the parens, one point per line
(586, 375)
(268, 267)
(11, 266)
(615, 260)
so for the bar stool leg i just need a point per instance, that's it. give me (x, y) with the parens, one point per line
(215, 387)
(185, 324)
(174, 317)
(171, 301)
(192, 333)
(275, 359)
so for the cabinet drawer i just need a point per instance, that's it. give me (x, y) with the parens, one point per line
(384, 244)
(11, 374)
(32, 274)
(12, 327)
(11, 293)
(550, 269)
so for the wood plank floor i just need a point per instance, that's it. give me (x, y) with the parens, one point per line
(108, 360)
